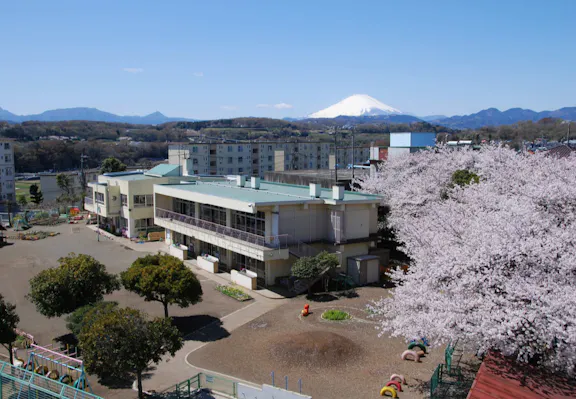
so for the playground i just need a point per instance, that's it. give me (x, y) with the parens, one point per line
(334, 358)
(23, 259)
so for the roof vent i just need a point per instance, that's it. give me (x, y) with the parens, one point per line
(255, 183)
(338, 192)
(315, 190)
(240, 181)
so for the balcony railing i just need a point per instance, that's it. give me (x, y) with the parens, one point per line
(273, 242)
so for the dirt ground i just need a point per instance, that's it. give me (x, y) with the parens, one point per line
(23, 259)
(266, 344)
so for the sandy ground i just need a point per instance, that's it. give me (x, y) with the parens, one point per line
(252, 352)
(24, 259)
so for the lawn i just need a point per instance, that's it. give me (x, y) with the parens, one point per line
(23, 187)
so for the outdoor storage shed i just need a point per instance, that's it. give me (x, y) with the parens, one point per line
(364, 269)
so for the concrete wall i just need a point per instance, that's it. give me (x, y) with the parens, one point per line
(278, 268)
(303, 223)
(396, 152)
(400, 139)
(358, 220)
(267, 392)
(7, 171)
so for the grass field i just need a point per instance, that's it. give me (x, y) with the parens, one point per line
(23, 187)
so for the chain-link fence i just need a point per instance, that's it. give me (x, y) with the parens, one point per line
(18, 383)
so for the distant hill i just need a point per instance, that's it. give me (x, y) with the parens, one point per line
(88, 114)
(357, 120)
(495, 117)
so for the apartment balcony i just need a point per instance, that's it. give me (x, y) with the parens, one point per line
(252, 245)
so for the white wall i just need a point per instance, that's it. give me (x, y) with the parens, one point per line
(400, 139)
(267, 392)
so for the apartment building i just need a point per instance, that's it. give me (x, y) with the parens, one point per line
(257, 158)
(264, 227)
(7, 187)
(124, 201)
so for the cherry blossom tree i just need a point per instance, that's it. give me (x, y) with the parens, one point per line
(493, 261)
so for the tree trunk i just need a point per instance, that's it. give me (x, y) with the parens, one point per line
(11, 354)
(165, 309)
(140, 390)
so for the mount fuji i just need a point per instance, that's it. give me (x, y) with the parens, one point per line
(357, 105)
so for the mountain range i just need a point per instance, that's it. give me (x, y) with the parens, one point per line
(88, 114)
(495, 117)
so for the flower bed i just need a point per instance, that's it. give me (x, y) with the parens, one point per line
(336, 315)
(35, 235)
(233, 292)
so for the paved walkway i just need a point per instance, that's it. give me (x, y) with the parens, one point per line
(151, 247)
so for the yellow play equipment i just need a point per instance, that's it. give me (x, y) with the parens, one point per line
(388, 390)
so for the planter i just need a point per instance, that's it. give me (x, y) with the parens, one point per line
(208, 263)
(180, 252)
(246, 279)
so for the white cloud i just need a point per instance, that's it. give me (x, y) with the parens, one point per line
(199, 74)
(262, 105)
(133, 70)
(229, 107)
(283, 106)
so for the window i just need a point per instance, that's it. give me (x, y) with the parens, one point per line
(7, 158)
(143, 224)
(194, 149)
(240, 160)
(212, 213)
(230, 171)
(257, 266)
(269, 148)
(100, 198)
(229, 148)
(270, 158)
(8, 171)
(230, 160)
(269, 167)
(6, 146)
(249, 222)
(9, 197)
(184, 207)
(143, 200)
(124, 199)
(195, 171)
(240, 148)
(240, 170)
(195, 161)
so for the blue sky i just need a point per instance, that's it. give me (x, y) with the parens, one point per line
(211, 59)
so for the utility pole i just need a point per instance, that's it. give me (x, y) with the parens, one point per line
(82, 178)
(353, 158)
(336, 154)
(568, 134)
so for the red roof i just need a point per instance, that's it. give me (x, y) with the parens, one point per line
(502, 378)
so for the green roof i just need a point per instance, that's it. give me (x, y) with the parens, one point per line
(269, 193)
(164, 170)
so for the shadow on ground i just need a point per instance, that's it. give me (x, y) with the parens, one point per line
(118, 381)
(325, 297)
(204, 328)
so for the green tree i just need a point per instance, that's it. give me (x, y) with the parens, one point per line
(163, 278)
(310, 267)
(36, 195)
(78, 281)
(124, 342)
(84, 316)
(8, 322)
(22, 200)
(110, 165)
(65, 183)
(464, 177)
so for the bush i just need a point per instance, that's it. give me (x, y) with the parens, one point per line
(233, 292)
(335, 315)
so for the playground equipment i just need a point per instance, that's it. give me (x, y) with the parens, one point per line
(56, 365)
(388, 390)
(413, 345)
(412, 354)
(306, 311)
(16, 361)
(398, 377)
(396, 384)
(21, 224)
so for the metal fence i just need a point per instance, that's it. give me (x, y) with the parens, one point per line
(18, 383)
(188, 389)
(274, 242)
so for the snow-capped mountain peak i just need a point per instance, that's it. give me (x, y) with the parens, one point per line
(356, 105)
